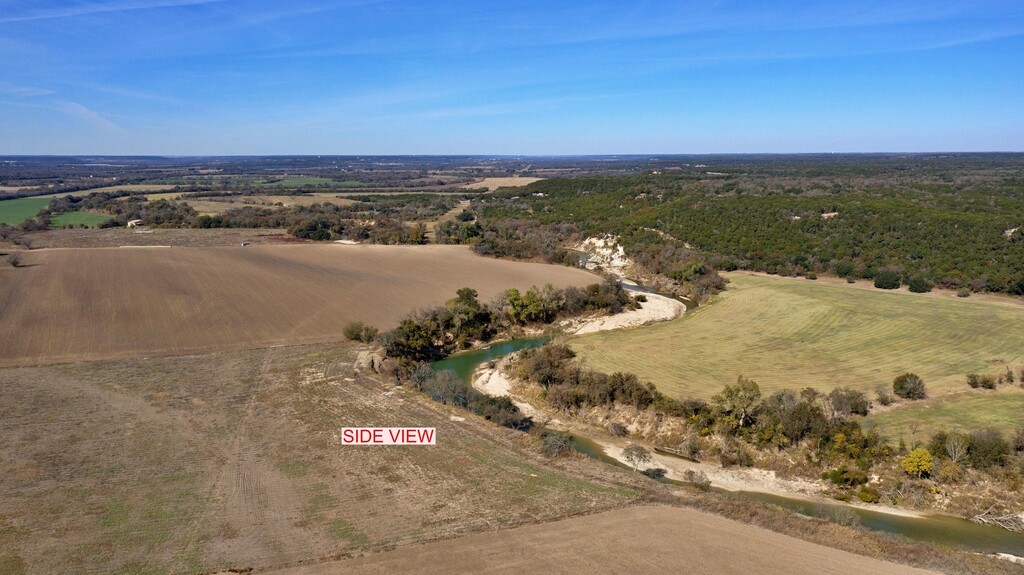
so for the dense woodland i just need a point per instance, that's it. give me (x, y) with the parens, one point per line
(956, 224)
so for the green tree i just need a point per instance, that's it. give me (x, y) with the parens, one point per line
(918, 463)
(909, 386)
(636, 455)
(739, 400)
(887, 279)
(919, 285)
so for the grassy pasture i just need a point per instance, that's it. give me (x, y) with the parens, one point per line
(787, 333)
(79, 218)
(13, 212)
(963, 412)
(217, 205)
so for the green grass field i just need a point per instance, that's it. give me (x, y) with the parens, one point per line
(961, 412)
(13, 212)
(787, 333)
(78, 219)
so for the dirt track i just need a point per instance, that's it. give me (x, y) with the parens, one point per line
(633, 540)
(85, 304)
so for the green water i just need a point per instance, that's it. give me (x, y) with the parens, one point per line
(466, 362)
(940, 529)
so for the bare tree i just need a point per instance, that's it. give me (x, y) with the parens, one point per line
(914, 427)
(14, 260)
(956, 446)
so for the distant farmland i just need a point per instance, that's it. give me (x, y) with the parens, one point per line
(13, 212)
(796, 333)
(83, 304)
(492, 184)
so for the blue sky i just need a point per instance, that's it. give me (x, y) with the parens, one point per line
(377, 77)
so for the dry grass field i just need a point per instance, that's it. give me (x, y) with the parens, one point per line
(492, 184)
(85, 304)
(634, 540)
(221, 204)
(119, 188)
(965, 412)
(793, 334)
(231, 461)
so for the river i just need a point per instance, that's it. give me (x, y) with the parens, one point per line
(939, 529)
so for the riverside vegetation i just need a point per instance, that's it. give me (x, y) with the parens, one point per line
(805, 432)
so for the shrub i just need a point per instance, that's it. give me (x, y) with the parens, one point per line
(845, 476)
(987, 448)
(358, 331)
(617, 430)
(735, 456)
(851, 280)
(983, 381)
(654, 472)
(691, 447)
(554, 443)
(14, 260)
(640, 298)
(699, 479)
(918, 463)
(846, 401)
(869, 494)
(420, 376)
(920, 285)
(1018, 440)
(812, 276)
(909, 386)
(500, 410)
(963, 292)
(949, 472)
(883, 395)
(887, 279)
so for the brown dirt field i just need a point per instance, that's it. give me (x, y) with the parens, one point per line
(179, 237)
(634, 540)
(494, 183)
(231, 461)
(88, 304)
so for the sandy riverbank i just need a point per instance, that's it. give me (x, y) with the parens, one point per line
(492, 381)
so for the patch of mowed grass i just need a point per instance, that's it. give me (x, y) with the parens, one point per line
(964, 412)
(294, 469)
(791, 334)
(14, 212)
(79, 219)
(345, 531)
